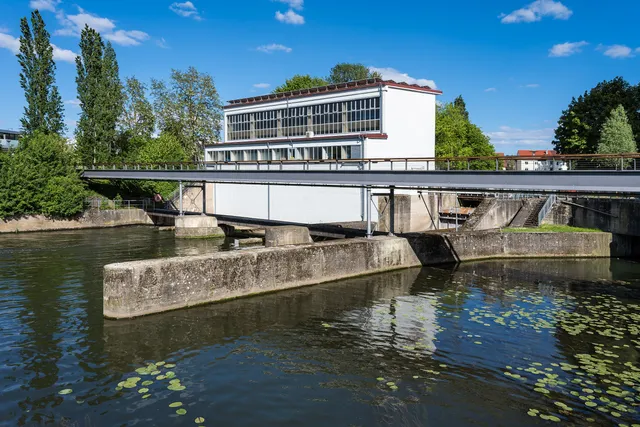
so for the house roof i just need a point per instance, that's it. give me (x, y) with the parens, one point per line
(537, 153)
(359, 84)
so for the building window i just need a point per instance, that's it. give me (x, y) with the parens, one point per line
(356, 116)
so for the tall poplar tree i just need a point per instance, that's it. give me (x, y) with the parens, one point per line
(101, 99)
(44, 110)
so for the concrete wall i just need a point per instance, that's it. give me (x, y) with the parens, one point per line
(192, 198)
(411, 214)
(492, 214)
(150, 286)
(441, 248)
(89, 219)
(612, 215)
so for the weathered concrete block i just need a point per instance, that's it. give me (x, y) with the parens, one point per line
(192, 226)
(137, 288)
(286, 235)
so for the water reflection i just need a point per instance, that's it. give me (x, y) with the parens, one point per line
(415, 347)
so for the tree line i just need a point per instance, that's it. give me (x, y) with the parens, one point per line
(119, 122)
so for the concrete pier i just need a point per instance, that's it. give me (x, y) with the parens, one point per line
(286, 236)
(137, 288)
(197, 226)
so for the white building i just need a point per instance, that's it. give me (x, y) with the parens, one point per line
(533, 164)
(365, 119)
(9, 138)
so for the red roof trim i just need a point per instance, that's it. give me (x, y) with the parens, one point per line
(304, 139)
(341, 87)
(537, 153)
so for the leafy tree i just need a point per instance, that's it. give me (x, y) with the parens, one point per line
(137, 118)
(189, 107)
(617, 135)
(101, 99)
(44, 109)
(113, 99)
(346, 72)
(299, 82)
(456, 136)
(32, 174)
(462, 106)
(166, 148)
(580, 125)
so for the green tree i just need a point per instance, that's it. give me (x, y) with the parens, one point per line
(299, 82)
(347, 72)
(456, 136)
(112, 101)
(91, 148)
(579, 127)
(462, 106)
(44, 110)
(137, 118)
(617, 135)
(32, 175)
(189, 107)
(165, 148)
(101, 99)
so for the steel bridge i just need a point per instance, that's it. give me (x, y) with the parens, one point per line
(595, 175)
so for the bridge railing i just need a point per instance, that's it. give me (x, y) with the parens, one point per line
(559, 163)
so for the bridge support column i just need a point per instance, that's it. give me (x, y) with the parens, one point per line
(180, 208)
(204, 198)
(369, 228)
(198, 226)
(392, 211)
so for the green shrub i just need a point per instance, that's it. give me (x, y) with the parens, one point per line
(65, 196)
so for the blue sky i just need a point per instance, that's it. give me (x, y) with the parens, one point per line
(517, 63)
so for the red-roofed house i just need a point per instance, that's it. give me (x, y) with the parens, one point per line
(539, 160)
(364, 119)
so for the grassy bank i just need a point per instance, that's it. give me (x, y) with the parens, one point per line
(551, 228)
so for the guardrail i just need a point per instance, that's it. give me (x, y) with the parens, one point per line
(557, 163)
(546, 208)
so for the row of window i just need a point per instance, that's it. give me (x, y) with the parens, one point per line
(10, 136)
(302, 153)
(361, 115)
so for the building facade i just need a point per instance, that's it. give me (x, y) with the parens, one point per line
(549, 164)
(367, 119)
(9, 138)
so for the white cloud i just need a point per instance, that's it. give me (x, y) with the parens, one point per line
(531, 86)
(273, 47)
(537, 138)
(536, 11)
(72, 25)
(186, 9)
(395, 75)
(66, 55)
(49, 5)
(491, 89)
(567, 49)
(73, 102)
(7, 41)
(162, 43)
(4, 30)
(127, 38)
(290, 17)
(617, 51)
(262, 85)
(293, 4)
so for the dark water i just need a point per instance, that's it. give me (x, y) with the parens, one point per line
(487, 344)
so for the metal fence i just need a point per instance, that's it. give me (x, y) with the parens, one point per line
(98, 203)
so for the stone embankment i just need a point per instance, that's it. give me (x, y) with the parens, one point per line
(88, 219)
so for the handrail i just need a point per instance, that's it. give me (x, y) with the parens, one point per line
(546, 208)
(622, 156)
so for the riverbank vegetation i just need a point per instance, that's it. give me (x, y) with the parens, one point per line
(118, 124)
(552, 228)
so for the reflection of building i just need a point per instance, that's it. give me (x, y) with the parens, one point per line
(9, 138)
(365, 119)
(549, 164)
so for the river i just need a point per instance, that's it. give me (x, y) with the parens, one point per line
(498, 343)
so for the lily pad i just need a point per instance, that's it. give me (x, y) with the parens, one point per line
(146, 396)
(65, 391)
(181, 411)
(175, 405)
(199, 420)
(146, 383)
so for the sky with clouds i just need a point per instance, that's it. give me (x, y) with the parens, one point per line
(517, 63)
